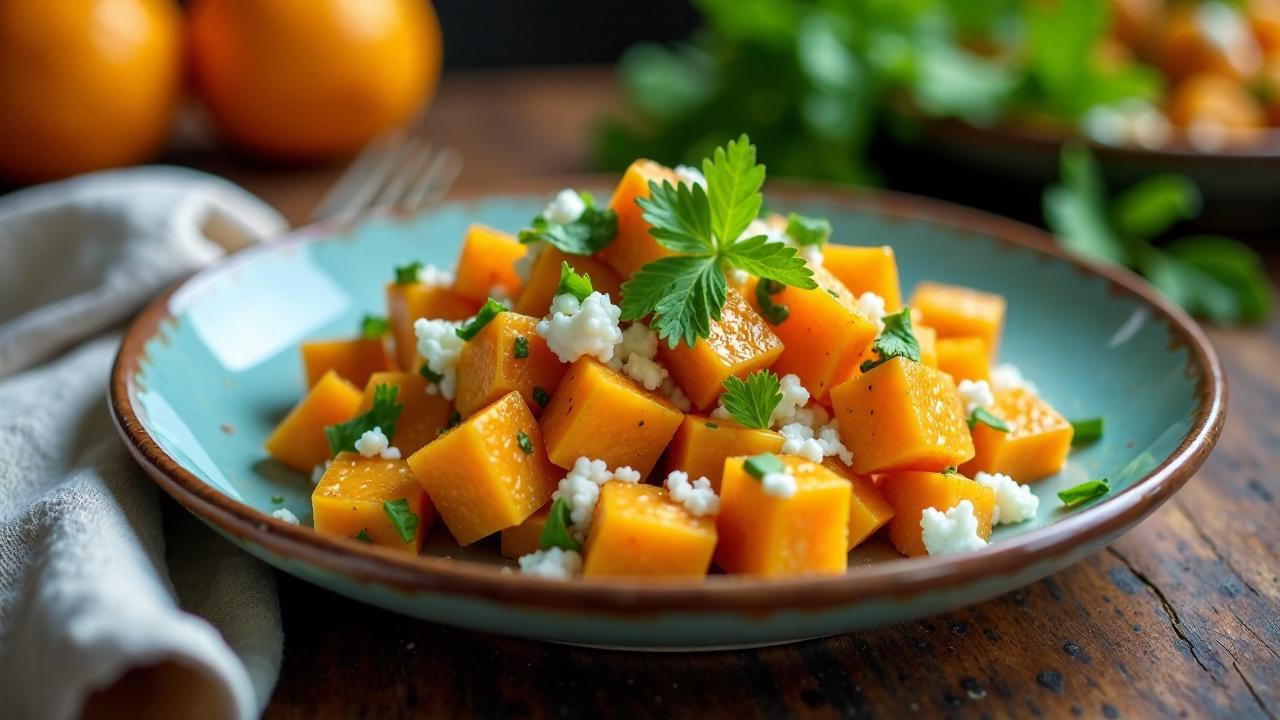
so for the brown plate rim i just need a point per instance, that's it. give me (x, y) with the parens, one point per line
(891, 580)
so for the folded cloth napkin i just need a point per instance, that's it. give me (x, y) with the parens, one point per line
(94, 608)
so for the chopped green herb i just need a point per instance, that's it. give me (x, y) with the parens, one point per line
(713, 426)
(402, 518)
(752, 402)
(571, 283)
(1073, 496)
(526, 445)
(277, 499)
(776, 314)
(1086, 431)
(373, 327)
(986, 417)
(541, 396)
(491, 309)
(951, 470)
(408, 274)
(363, 536)
(757, 466)
(594, 229)
(808, 231)
(555, 533)
(833, 293)
(522, 347)
(897, 340)
(429, 374)
(383, 414)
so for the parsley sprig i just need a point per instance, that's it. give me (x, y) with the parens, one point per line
(1083, 492)
(384, 413)
(571, 283)
(555, 533)
(988, 418)
(594, 229)
(373, 327)
(403, 519)
(897, 340)
(751, 403)
(686, 292)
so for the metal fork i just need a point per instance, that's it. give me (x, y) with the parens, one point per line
(400, 171)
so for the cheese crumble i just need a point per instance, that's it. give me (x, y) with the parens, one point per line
(575, 329)
(691, 175)
(955, 531)
(697, 497)
(779, 484)
(814, 444)
(439, 345)
(285, 514)
(1007, 376)
(435, 277)
(872, 305)
(580, 488)
(375, 443)
(554, 563)
(976, 394)
(565, 207)
(1014, 501)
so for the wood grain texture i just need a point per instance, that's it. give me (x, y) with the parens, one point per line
(1181, 617)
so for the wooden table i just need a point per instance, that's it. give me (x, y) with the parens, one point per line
(1180, 617)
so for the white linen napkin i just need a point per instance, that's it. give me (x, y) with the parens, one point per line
(91, 599)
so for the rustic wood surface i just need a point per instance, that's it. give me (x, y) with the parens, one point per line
(1181, 617)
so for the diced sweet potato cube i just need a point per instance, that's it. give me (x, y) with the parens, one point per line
(964, 358)
(488, 473)
(639, 531)
(634, 246)
(702, 444)
(299, 440)
(762, 534)
(489, 365)
(423, 416)
(740, 343)
(956, 311)
(406, 303)
(866, 269)
(488, 259)
(353, 360)
(349, 500)
(927, 338)
(1035, 447)
(902, 415)
(523, 539)
(544, 279)
(824, 335)
(909, 493)
(868, 510)
(599, 413)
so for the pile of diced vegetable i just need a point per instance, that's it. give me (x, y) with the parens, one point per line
(672, 382)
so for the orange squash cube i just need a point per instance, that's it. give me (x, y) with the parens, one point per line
(702, 444)
(299, 440)
(350, 500)
(544, 279)
(956, 311)
(927, 338)
(761, 534)
(488, 473)
(423, 417)
(1035, 447)
(639, 531)
(487, 260)
(902, 415)
(408, 302)
(740, 343)
(964, 358)
(601, 414)
(866, 269)
(868, 510)
(910, 493)
(824, 335)
(489, 366)
(524, 538)
(634, 246)
(353, 360)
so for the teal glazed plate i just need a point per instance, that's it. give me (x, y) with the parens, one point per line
(211, 366)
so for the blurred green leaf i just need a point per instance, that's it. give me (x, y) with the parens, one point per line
(1076, 212)
(1060, 37)
(1231, 265)
(950, 82)
(666, 83)
(1153, 205)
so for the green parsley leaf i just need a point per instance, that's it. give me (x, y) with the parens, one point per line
(526, 444)
(770, 260)
(684, 293)
(402, 518)
(1152, 206)
(986, 417)
(1086, 431)
(490, 310)
(541, 396)
(679, 216)
(808, 231)
(384, 413)
(1211, 276)
(897, 340)
(951, 470)
(363, 536)
(734, 179)
(1076, 210)
(751, 403)
(594, 229)
(1073, 496)
(713, 426)
(408, 274)
(522, 348)
(373, 327)
(555, 533)
(431, 375)
(775, 313)
(571, 283)
(455, 418)
(757, 466)
(277, 499)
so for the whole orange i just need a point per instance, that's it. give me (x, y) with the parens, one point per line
(85, 84)
(309, 79)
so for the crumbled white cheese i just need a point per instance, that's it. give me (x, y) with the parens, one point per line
(1132, 121)
(582, 328)
(499, 293)
(697, 497)
(794, 397)
(976, 394)
(374, 443)
(1014, 501)
(955, 531)
(1007, 376)
(637, 339)
(814, 444)
(739, 277)
(815, 416)
(317, 472)
(811, 254)
(760, 227)
(675, 394)
(554, 563)
(779, 484)
(648, 373)
(435, 277)
(691, 175)
(524, 264)
(580, 488)
(566, 207)
(626, 475)
(285, 514)
(439, 345)
(872, 305)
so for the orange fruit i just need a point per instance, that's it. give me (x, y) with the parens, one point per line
(1216, 110)
(309, 79)
(85, 84)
